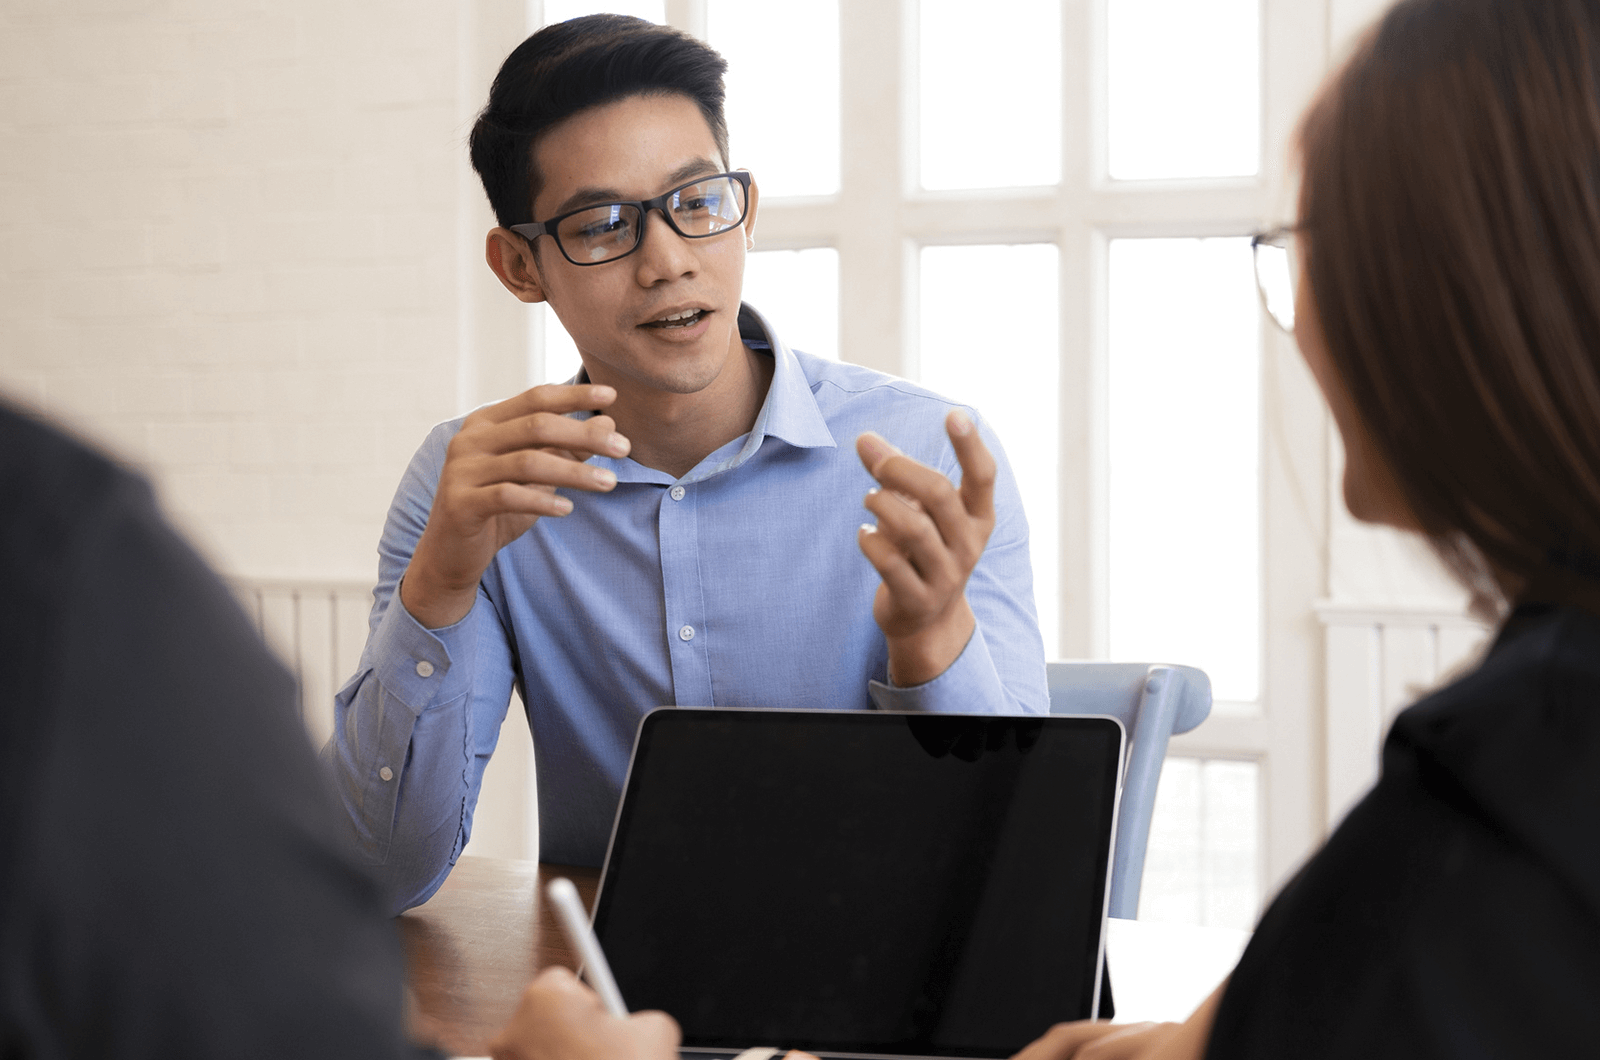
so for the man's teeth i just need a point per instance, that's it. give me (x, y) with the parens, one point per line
(678, 320)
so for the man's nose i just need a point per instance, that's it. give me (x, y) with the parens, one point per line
(663, 253)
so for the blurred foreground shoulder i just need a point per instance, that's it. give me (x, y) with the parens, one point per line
(169, 881)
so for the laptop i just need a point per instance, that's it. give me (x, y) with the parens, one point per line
(862, 883)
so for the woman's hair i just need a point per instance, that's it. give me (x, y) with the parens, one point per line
(1450, 204)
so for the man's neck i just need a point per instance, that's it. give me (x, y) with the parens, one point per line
(674, 432)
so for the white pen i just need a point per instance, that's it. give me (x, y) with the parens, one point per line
(575, 922)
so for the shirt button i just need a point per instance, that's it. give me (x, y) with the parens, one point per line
(686, 633)
(424, 668)
(678, 492)
(386, 773)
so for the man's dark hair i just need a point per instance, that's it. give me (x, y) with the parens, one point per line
(573, 66)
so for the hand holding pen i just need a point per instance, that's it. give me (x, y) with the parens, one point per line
(592, 963)
(559, 1019)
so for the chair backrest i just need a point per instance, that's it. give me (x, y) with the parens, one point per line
(1152, 701)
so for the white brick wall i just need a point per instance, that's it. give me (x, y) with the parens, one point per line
(240, 243)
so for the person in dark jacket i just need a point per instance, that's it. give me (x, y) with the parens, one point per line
(173, 884)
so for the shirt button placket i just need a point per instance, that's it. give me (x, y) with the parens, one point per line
(684, 597)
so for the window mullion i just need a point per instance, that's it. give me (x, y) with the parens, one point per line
(873, 272)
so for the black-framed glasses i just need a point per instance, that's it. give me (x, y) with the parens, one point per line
(1277, 273)
(698, 209)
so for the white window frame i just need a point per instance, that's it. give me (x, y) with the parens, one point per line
(879, 221)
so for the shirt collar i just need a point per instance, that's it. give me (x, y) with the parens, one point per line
(790, 411)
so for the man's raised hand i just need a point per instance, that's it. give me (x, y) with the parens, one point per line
(928, 538)
(500, 476)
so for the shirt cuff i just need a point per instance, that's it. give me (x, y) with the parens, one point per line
(970, 685)
(417, 666)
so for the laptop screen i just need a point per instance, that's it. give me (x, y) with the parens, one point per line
(862, 882)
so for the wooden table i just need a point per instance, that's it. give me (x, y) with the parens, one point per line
(473, 946)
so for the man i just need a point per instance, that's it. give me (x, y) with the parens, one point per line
(173, 879)
(705, 548)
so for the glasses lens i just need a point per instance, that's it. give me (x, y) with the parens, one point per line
(707, 207)
(1275, 278)
(599, 234)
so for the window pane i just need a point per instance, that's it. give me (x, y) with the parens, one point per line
(798, 291)
(1184, 88)
(989, 326)
(990, 93)
(561, 360)
(1200, 865)
(783, 99)
(1184, 534)
(561, 10)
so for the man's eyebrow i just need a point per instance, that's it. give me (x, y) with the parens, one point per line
(700, 167)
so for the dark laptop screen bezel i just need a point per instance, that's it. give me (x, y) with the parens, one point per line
(1098, 739)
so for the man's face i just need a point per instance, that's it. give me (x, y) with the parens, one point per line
(616, 312)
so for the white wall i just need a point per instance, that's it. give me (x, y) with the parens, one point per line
(230, 248)
(1347, 18)
(240, 243)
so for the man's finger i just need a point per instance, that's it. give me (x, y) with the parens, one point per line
(914, 480)
(961, 518)
(551, 397)
(926, 489)
(977, 465)
(873, 449)
(892, 565)
(509, 498)
(540, 467)
(915, 535)
(551, 430)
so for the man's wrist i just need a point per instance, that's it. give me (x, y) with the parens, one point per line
(917, 658)
(434, 607)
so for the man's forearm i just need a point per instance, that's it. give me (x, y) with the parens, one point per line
(410, 854)
(401, 729)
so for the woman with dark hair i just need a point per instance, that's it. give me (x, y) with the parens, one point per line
(1448, 304)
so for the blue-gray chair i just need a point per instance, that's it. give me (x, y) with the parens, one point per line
(1152, 701)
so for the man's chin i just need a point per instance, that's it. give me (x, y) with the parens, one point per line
(686, 369)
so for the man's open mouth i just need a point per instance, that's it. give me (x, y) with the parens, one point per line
(686, 319)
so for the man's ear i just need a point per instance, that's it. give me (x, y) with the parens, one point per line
(750, 216)
(511, 259)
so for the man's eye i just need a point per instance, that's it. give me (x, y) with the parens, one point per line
(604, 229)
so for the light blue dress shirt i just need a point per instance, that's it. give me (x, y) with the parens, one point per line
(738, 585)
